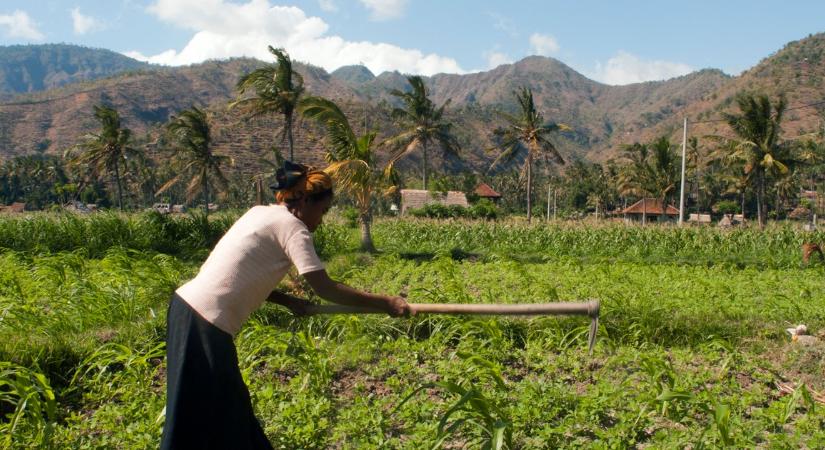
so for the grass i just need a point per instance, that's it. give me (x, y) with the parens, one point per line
(691, 348)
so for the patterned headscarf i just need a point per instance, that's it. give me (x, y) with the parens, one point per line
(294, 181)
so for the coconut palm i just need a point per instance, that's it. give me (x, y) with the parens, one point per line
(107, 150)
(353, 162)
(653, 171)
(758, 127)
(423, 124)
(189, 136)
(527, 133)
(277, 90)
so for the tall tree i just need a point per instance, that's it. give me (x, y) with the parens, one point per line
(653, 171)
(423, 124)
(527, 132)
(277, 89)
(107, 150)
(758, 127)
(189, 136)
(353, 161)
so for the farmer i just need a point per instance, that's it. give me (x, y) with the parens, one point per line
(207, 402)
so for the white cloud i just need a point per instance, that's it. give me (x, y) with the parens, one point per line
(542, 44)
(224, 29)
(503, 23)
(19, 25)
(625, 68)
(83, 24)
(495, 59)
(385, 9)
(328, 5)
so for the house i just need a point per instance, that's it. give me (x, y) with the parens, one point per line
(483, 190)
(417, 198)
(649, 210)
(729, 220)
(16, 207)
(699, 218)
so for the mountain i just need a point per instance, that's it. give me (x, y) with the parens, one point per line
(354, 75)
(31, 68)
(603, 117)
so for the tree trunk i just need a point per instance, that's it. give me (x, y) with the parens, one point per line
(743, 206)
(529, 187)
(119, 188)
(366, 235)
(760, 199)
(288, 125)
(424, 166)
(206, 196)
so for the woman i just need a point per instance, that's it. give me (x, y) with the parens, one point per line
(208, 404)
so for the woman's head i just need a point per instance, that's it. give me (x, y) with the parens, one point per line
(307, 192)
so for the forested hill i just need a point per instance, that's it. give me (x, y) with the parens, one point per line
(31, 68)
(602, 117)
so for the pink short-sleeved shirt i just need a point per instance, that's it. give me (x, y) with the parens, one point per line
(247, 264)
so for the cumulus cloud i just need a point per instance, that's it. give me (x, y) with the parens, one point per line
(83, 24)
(495, 59)
(542, 44)
(328, 5)
(19, 25)
(224, 29)
(385, 9)
(625, 68)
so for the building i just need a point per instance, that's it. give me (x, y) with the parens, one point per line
(483, 190)
(417, 198)
(649, 210)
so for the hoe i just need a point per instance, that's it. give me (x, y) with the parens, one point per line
(589, 308)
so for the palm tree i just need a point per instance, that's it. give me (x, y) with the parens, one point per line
(108, 149)
(758, 126)
(653, 171)
(277, 90)
(190, 139)
(423, 125)
(353, 162)
(527, 132)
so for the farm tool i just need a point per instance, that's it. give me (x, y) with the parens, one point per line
(589, 308)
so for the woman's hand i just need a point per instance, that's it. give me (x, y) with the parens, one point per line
(398, 307)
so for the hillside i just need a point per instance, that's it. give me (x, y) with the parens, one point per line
(603, 117)
(32, 68)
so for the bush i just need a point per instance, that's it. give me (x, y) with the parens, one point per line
(484, 209)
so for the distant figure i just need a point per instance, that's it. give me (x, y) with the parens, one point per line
(809, 248)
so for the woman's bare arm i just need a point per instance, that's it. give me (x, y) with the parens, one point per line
(342, 294)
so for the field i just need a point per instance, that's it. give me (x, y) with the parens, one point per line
(692, 350)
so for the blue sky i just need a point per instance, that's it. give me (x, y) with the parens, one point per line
(615, 42)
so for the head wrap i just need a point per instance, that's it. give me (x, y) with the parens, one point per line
(294, 181)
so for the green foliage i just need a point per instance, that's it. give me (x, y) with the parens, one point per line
(691, 344)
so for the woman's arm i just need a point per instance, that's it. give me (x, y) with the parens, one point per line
(342, 294)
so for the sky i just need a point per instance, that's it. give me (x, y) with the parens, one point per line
(612, 41)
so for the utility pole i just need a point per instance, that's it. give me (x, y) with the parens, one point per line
(554, 205)
(682, 189)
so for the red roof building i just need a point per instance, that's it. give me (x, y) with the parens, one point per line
(649, 209)
(483, 190)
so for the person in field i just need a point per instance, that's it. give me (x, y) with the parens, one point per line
(207, 404)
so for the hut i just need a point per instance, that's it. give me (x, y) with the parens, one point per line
(483, 190)
(417, 198)
(649, 210)
(16, 207)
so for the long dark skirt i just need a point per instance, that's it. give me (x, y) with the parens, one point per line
(207, 402)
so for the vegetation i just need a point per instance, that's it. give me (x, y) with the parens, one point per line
(691, 348)
(527, 133)
(108, 150)
(423, 124)
(277, 90)
(191, 142)
(353, 162)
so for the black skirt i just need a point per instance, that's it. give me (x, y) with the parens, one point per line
(207, 402)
